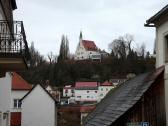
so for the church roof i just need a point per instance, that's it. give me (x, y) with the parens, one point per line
(89, 45)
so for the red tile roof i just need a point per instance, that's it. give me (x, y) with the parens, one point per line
(89, 45)
(18, 83)
(85, 84)
(87, 109)
(106, 83)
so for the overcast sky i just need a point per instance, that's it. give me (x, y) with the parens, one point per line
(100, 20)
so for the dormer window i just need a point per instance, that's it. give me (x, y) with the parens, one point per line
(166, 49)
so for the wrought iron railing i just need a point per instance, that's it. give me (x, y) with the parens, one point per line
(13, 39)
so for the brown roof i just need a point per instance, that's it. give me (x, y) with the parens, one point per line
(89, 45)
(18, 83)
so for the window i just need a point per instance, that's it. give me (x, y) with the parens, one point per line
(72, 91)
(106, 89)
(66, 91)
(166, 49)
(87, 96)
(101, 89)
(17, 103)
(78, 96)
(95, 91)
(87, 91)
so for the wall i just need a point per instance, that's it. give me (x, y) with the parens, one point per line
(161, 32)
(17, 94)
(83, 93)
(103, 90)
(69, 92)
(5, 98)
(38, 109)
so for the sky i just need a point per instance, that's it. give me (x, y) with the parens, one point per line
(102, 21)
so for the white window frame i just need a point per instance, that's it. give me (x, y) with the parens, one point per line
(17, 103)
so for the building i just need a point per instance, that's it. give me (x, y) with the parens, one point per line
(39, 108)
(19, 89)
(137, 101)
(160, 22)
(86, 50)
(74, 114)
(116, 81)
(68, 91)
(14, 52)
(14, 55)
(142, 100)
(5, 99)
(86, 91)
(104, 88)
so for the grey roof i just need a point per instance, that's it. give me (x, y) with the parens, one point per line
(163, 11)
(120, 100)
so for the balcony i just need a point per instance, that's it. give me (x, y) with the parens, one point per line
(14, 52)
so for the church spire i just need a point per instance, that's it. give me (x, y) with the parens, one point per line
(80, 37)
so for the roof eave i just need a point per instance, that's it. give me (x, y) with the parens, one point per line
(151, 22)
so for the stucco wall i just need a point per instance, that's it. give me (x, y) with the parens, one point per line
(38, 109)
(17, 94)
(103, 90)
(69, 93)
(93, 96)
(5, 98)
(161, 32)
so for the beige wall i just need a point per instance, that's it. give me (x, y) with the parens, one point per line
(161, 32)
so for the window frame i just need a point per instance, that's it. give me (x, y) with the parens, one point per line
(17, 104)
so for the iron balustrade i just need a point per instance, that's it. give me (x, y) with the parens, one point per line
(13, 39)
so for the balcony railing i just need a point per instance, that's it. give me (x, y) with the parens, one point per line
(13, 39)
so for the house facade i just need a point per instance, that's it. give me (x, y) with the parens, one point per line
(5, 99)
(160, 22)
(86, 91)
(19, 89)
(104, 88)
(38, 108)
(86, 50)
(68, 91)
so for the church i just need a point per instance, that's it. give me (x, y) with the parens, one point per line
(87, 50)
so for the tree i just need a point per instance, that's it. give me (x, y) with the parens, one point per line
(64, 49)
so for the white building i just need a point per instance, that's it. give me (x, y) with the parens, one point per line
(87, 49)
(19, 89)
(104, 88)
(38, 108)
(68, 91)
(5, 99)
(160, 21)
(86, 91)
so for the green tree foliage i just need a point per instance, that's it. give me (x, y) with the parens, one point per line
(64, 49)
